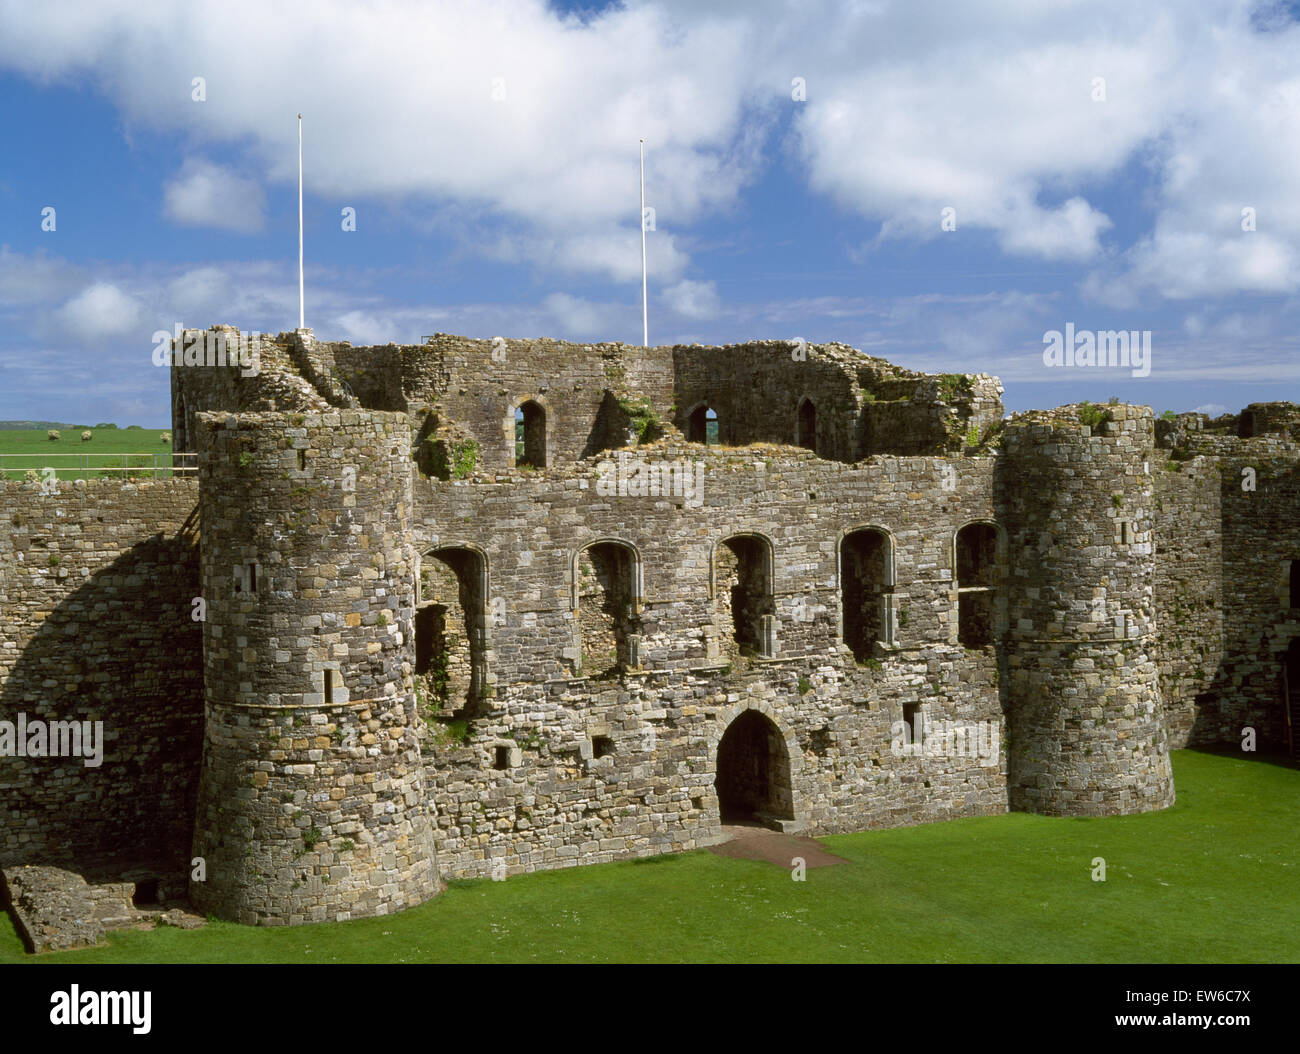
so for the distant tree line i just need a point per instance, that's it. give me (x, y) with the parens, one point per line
(21, 426)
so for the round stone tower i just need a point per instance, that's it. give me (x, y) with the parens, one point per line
(311, 804)
(1086, 723)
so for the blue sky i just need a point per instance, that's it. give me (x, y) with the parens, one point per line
(490, 153)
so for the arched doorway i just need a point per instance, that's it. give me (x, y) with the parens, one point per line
(753, 781)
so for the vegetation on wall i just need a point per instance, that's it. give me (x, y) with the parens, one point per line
(951, 385)
(1093, 416)
(451, 459)
(642, 419)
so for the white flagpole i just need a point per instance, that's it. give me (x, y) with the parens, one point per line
(645, 316)
(302, 318)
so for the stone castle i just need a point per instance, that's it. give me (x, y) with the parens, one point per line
(472, 608)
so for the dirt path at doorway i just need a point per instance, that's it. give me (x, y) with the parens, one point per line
(751, 842)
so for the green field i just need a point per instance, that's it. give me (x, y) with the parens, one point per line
(107, 453)
(1216, 878)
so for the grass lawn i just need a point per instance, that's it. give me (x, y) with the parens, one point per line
(1216, 878)
(105, 451)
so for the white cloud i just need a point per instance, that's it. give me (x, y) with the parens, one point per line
(579, 318)
(988, 111)
(246, 293)
(1213, 409)
(693, 300)
(199, 290)
(101, 310)
(615, 254)
(361, 327)
(1068, 232)
(208, 195)
(910, 108)
(398, 102)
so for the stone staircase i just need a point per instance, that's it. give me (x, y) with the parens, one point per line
(281, 386)
(313, 366)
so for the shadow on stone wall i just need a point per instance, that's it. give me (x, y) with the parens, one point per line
(121, 648)
(1259, 540)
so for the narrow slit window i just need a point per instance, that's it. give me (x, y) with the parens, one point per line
(246, 578)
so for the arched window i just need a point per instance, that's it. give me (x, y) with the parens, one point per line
(866, 590)
(606, 603)
(976, 557)
(743, 593)
(451, 628)
(530, 435)
(805, 433)
(702, 426)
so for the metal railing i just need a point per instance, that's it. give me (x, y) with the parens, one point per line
(165, 465)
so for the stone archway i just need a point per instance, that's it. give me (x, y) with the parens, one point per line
(753, 779)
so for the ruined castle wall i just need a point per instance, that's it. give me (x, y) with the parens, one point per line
(1261, 538)
(532, 527)
(556, 802)
(263, 377)
(373, 374)
(1227, 531)
(478, 385)
(96, 582)
(864, 407)
(756, 390)
(311, 801)
(902, 426)
(928, 416)
(197, 387)
(594, 672)
(1189, 592)
(1087, 724)
(593, 395)
(345, 376)
(1277, 418)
